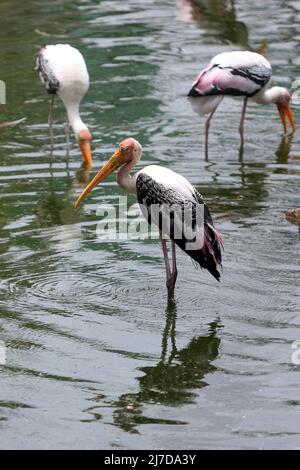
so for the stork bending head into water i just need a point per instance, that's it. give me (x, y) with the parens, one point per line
(238, 73)
(159, 187)
(63, 71)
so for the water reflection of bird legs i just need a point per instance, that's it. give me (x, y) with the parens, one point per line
(169, 331)
(173, 381)
(283, 151)
(50, 122)
(68, 142)
(241, 154)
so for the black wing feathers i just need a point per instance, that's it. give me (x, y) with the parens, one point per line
(149, 193)
(46, 74)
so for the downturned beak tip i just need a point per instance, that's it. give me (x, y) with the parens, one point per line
(77, 203)
(286, 116)
(85, 147)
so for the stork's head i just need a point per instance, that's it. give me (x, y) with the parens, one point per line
(128, 152)
(84, 138)
(283, 105)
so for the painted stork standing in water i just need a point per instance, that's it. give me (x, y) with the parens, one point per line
(157, 186)
(63, 71)
(238, 73)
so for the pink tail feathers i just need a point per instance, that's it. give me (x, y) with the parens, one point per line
(213, 246)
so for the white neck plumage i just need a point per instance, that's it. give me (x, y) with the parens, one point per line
(124, 178)
(74, 118)
(271, 95)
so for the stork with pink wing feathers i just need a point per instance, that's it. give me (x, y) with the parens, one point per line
(238, 73)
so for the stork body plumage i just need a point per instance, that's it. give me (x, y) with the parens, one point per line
(159, 188)
(238, 73)
(63, 71)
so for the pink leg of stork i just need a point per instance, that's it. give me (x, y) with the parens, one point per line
(243, 120)
(67, 132)
(50, 121)
(171, 276)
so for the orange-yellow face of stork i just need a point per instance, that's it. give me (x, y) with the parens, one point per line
(285, 112)
(129, 150)
(84, 138)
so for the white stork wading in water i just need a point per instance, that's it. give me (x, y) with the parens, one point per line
(63, 71)
(157, 186)
(238, 73)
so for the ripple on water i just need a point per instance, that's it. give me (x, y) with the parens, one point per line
(53, 289)
(63, 290)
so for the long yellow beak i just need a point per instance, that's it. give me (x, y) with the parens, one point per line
(85, 147)
(286, 114)
(116, 160)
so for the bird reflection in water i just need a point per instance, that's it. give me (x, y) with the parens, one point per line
(55, 204)
(55, 209)
(284, 148)
(219, 17)
(83, 175)
(282, 157)
(216, 15)
(174, 380)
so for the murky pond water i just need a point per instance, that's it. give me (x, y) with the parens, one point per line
(96, 357)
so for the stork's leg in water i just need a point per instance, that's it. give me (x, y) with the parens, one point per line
(241, 129)
(207, 125)
(67, 131)
(174, 264)
(50, 121)
(171, 276)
